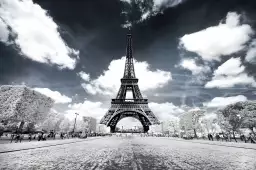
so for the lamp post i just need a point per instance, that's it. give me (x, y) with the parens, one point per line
(75, 123)
(162, 127)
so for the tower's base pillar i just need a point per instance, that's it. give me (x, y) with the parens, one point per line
(112, 129)
(146, 129)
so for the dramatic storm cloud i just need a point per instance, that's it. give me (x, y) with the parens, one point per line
(189, 53)
(35, 33)
(145, 9)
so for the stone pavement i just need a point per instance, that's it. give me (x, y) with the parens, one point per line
(132, 153)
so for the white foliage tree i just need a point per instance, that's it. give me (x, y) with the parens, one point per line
(81, 126)
(22, 104)
(240, 114)
(173, 125)
(190, 121)
(209, 124)
(52, 122)
(65, 125)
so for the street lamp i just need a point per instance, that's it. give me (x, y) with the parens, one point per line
(162, 127)
(75, 123)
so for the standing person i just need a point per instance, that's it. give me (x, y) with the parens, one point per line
(29, 137)
(12, 137)
(242, 137)
(17, 138)
(44, 137)
(21, 137)
(217, 137)
(251, 138)
(209, 137)
(221, 136)
(229, 137)
(39, 136)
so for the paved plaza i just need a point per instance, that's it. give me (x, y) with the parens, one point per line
(127, 153)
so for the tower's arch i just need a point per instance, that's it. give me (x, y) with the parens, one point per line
(124, 114)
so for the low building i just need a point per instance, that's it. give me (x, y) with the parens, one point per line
(91, 124)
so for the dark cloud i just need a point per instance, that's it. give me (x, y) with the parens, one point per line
(94, 28)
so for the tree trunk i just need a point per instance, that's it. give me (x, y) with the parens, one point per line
(21, 126)
(195, 133)
(234, 136)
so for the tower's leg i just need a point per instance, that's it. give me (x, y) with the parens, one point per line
(146, 129)
(112, 129)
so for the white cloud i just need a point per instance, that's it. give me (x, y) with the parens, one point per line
(37, 34)
(231, 67)
(251, 53)
(190, 64)
(224, 39)
(109, 82)
(230, 81)
(55, 95)
(165, 111)
(229, 74)
(87, 108)
(219, 102)
(84, 76)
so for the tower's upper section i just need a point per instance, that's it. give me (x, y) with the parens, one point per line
(129, 72)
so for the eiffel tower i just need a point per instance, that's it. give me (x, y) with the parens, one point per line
(121, 107)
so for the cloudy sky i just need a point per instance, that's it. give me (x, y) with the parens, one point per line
(189, 53)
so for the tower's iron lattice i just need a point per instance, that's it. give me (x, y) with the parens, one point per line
(122, 107)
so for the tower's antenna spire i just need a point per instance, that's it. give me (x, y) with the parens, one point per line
(129, 30)
(129, 67)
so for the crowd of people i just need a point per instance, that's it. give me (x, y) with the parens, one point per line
(18, 137)
(40, 136)
(43, 136)
(228, 137)
(212, 137)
